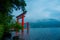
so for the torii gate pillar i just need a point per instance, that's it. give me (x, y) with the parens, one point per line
(21, 16)
(22, 24)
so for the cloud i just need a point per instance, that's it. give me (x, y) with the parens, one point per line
(54, 14)
(42, 9)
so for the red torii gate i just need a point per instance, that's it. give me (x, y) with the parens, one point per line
(21, 16)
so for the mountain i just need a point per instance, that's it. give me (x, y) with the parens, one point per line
(45, 23)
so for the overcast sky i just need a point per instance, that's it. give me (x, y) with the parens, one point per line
(41, 9)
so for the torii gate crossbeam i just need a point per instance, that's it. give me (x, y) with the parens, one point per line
(21, 16)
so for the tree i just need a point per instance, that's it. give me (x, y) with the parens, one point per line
(8, 5)
(6, 8)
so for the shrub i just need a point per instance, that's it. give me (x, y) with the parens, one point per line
(17, 26)
(1, 31)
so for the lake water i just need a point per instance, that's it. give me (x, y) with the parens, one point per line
(44, 34)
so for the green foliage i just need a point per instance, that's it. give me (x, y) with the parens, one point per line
(17, 26)
(6, 8)
(8, 5)
(1, 30)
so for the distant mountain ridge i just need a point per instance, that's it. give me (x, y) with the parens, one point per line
(45, 23)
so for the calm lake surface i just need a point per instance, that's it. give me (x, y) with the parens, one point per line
(44, 34)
